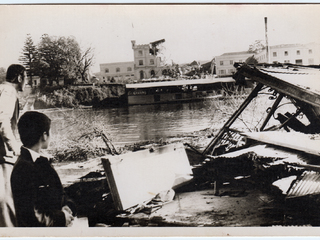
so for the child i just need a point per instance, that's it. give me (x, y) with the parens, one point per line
(37, 190)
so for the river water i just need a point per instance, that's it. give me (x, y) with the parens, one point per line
(134, 124)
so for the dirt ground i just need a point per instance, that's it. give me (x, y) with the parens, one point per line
(233, 207)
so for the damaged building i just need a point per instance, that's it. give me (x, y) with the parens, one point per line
(146, 64)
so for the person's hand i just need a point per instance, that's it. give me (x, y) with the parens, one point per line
(16, 150)
(14, 147)
(68, 215)
(66, 208)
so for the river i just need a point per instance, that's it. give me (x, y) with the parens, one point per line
(134, 124)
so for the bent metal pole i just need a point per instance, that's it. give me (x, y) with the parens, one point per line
(231, 120)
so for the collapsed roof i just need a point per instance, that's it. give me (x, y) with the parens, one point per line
(300, 142)
(301, 85)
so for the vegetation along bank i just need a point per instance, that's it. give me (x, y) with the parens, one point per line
(76, 96)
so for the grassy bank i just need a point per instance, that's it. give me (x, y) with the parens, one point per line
(73, 96)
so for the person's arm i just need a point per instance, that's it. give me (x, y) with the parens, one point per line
(8, 100)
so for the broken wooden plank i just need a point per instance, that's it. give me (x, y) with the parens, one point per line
(139, 176)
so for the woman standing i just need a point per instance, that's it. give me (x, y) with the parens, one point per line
(9, 146)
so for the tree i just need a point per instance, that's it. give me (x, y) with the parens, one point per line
(72, 53)
(84, 63)
(256, 47)
(2, 74)
(58, 57)
(29, 58)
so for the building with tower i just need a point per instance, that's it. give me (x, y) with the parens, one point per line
(145, 65)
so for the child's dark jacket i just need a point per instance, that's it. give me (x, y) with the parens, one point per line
(37, 192)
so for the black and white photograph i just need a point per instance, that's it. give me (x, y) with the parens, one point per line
(160, 119)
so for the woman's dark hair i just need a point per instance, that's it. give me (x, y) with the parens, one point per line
(14, 71)
(31, 126)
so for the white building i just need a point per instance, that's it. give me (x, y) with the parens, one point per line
(116, 72)
(302, 54)
(144, 65)
(224, 63)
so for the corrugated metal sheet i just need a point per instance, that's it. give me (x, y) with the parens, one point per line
(307, 78)
(306, 143)
(300, 83)
(307, 184)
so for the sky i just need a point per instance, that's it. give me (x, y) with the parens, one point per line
(191, 31)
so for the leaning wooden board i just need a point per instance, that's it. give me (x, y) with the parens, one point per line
(139, 176)
(309, 143)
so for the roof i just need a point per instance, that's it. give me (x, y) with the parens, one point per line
(179, 83)
(308, 143)
(116, 63)
(307, 78)
(302, 83)
(308, 183)
(237, 53)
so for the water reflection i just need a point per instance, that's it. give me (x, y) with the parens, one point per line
(135, 123)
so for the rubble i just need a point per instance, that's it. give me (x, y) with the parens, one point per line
(283, 158)
(265, 177)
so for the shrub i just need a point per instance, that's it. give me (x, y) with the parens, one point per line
(58, 96)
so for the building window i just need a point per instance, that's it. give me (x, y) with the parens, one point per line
(140, 62)
(141, 74)
(222, 72)
(298, 61)
(274, 54)
(151, 61)
(298, 52)
(286, 61)
(310, 61)
(221, 63)
(240, 61)
(231, 71)
(310, 51)
(129, 69)
(117, 69)
(107, 70)
(286, 53)
(231, 62)
(140, 53)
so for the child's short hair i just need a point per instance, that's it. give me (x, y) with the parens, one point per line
(31, 126)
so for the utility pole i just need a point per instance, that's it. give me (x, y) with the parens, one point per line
(267, 45)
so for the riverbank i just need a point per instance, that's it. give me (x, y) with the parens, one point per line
(75, 96)
(81, 134)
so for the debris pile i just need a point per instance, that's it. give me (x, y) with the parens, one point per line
(267, 176)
